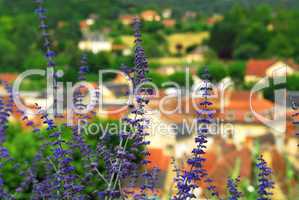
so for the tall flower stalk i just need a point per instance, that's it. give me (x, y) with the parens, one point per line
(295, 115)
(5, 111)
(188, 180)
(61, 157)
(49, 52)
(265, 184)
(132, 137)
(232, 186)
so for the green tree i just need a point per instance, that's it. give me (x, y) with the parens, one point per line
(153, 45)
(224, 34)
(217, 70)
(35, 59)
(281, 46)
(157, 78)
(236, 71)
(291, 84)
(246, 51)
(182, 79)
(243, 33)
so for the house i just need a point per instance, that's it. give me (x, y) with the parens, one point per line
(166, 175)
(244, 118)
(121, 48)
(85, 24)
(127, 19)
(223, 158)
(179, 42)
(258, 69)
(227, 162)
(8, 77)
(197, 55)
(163, 176)
(161, 133)
(166, 13)
(239, 112)
(150, 15)
(178, 125)
(171, 69)
(214, 19)
(94, 42)
(189, 15)
(169, 22)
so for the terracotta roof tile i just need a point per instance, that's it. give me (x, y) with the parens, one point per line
(222, 168)
(239, 107)
(242, 95)
(149, 13)
(278, 164)
(158, 159)
(258, 67)
(8, 77)
(169, 22)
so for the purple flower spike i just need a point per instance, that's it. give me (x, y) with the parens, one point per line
(265, 184)
(5, 111)
(232, 186)
(186, 181)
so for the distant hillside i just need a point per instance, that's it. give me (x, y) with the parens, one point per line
(207, 6)
(111, 9)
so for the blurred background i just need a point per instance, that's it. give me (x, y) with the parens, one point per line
(240, 41)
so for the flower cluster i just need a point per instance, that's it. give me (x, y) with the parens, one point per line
(188, 180)
(141, 66)
(41, 12)
(132, 140)
(264, 179)
(49, 53)
(232, 186)
(5, 110)
(295, 115)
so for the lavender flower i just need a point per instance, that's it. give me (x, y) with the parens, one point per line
(49, 53)
(134, 132)
(232, 186)
(41, 13)
(83, 68)
(264, 178)
(5, 111)
(140, 123)
(296, 114)
(64, 171)
(64, 177)
(141, 66)
(187, 181)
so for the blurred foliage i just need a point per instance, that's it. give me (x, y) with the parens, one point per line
(216, 68)
(182, 79)
(24, 144)
(291, 85)
(236, 70)
(219, 70)
(157, 78)
(262, 32)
